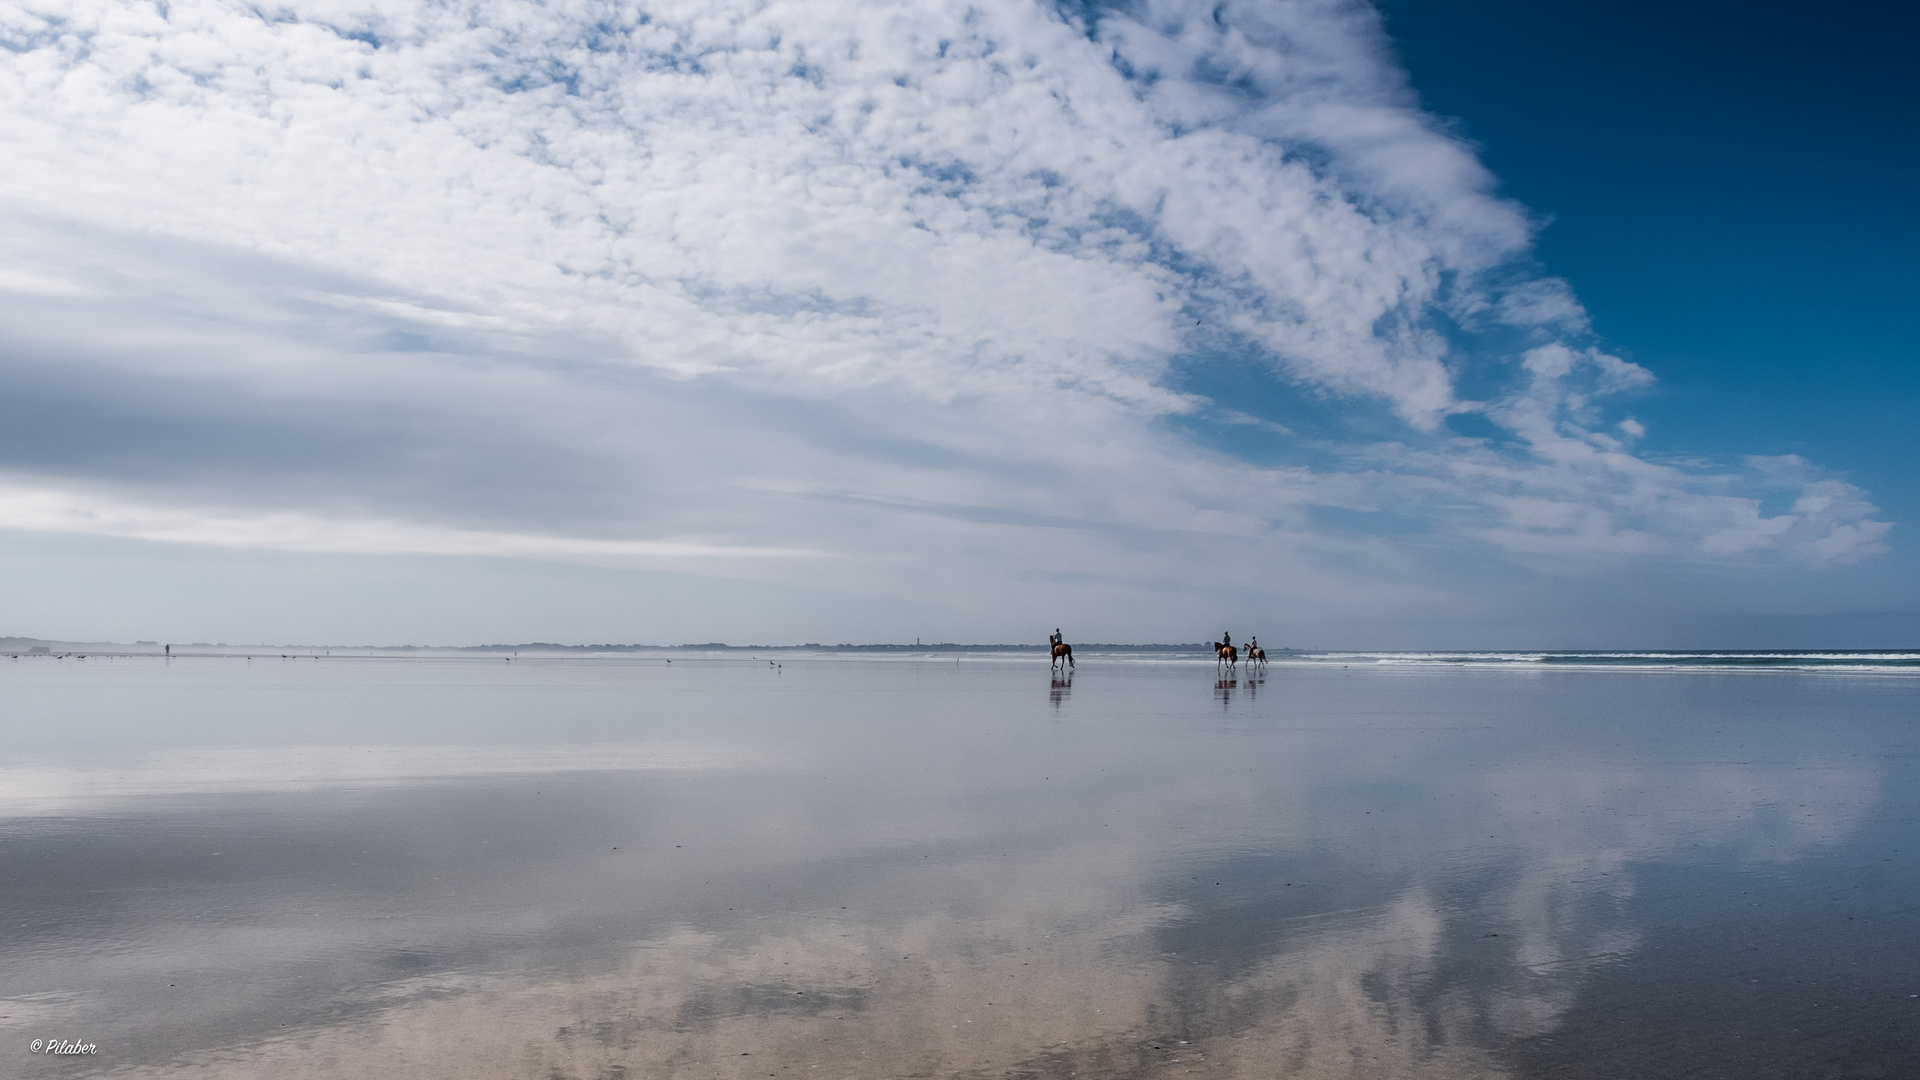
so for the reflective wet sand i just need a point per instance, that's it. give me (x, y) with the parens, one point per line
(877, 868)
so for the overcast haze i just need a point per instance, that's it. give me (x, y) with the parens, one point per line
(776, 322)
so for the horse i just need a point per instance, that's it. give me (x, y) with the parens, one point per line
(1257, 655)
(1226, 654)
(1060, 649)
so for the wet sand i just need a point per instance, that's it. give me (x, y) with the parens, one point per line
(866, 868)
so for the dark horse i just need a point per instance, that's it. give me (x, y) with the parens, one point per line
(1060, 649)
(1226, 654)
(1257, 654)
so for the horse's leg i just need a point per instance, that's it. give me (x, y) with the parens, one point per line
(1069, 656)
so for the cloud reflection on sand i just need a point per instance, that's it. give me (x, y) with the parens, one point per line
(33, 790)
(877, 870)
(932, 997)
(1086, 960)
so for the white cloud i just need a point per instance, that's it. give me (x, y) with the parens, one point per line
(20, 280)
(1543, 302)
(914, 286)
(38, 508)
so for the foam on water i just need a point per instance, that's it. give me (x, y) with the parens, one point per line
(1863, 662)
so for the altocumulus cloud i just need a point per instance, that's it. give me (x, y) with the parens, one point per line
(899, 300)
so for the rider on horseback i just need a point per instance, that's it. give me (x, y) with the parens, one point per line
(1058, 648)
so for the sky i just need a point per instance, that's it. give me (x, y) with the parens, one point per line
(1465, 325)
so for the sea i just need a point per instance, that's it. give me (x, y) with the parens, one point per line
(740, 863)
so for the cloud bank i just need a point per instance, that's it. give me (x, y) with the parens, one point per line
(901, 301)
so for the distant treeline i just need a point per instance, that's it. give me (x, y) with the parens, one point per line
(21, 644)
(719, 646)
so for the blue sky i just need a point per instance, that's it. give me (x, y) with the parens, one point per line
(393, 320)
(1729, 188)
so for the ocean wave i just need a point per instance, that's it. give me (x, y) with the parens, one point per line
(1862, 661)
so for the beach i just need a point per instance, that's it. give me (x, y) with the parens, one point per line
(744, 865)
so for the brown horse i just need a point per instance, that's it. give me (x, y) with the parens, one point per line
(1257, 655)
(1060, 649)
(1226, 654)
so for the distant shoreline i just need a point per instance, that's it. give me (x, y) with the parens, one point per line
(1907, 659)
(201, 648)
